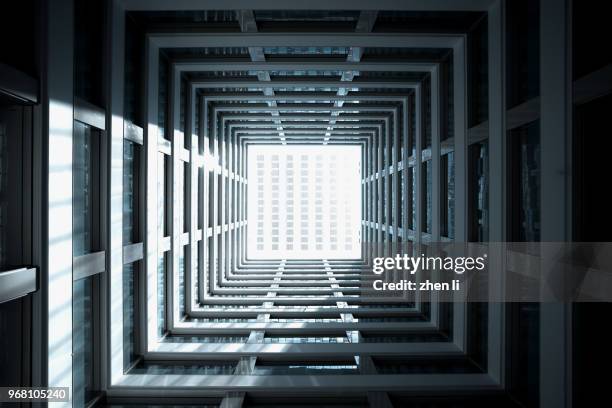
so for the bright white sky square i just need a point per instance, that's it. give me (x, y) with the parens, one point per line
(304, 202)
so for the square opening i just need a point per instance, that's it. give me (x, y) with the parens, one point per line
(304, 202)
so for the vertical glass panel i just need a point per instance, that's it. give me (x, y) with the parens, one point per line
(412, 198)
(89, 50)
(412, 125)
(220, 200)
(15, 221)
(162, 175)
(182, 112)
(86, 185)
(20, 53)
(200, 198)
(383, 197)
(525, 183)
(523, 51)
(161, 295)
(208, 263)
(447, 216)
(182, 268)
(401, 189)
(403, 136)
(211, 140)
(591, 159)
(478, 74)
(217, 258)
(388, 198)
(4, 196)
(179, 208)
(196, 272)
(186, 197)
(82, 340)
(211, 199)
(12, 321)
(130, 297)
(163, 96)
(130, 192)
(134, 58)
(14, 160)
(478, 323)
(426, 203)
(196, 123)
(450, 197)
(426, 114)
(478, 190)
(525, 353)
(447, 113)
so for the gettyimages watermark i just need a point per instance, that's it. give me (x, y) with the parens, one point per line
(488, 272)
(414, 264)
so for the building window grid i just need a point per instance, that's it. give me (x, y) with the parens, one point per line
(307, 203)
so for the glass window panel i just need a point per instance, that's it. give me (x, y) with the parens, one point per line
(478, 192)
(478, 74)
(130, 302)
(412, 125)
(163, 174)
(182, 268)
(88, 43)
(447, 187)
(163, 96)
(206, 339)
(131, 165)
(161, 295)
(523, 51)
(82, 340)
(332, 368)
(13, 318)
(426, 203)
(86, 187)
(412, 198)
(185, 179)
(525, 183)
(185, 368)
(15, 162)
(4, 191)
(426, 114)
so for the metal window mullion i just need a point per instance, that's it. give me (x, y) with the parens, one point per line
(406, 210)
(192, 202)
(172, 287)
(228, 199)
(377, 185)
(435, 97)
(204, 264)
(556, 194)
(461, 171)
(213, 250)
(418, 109)
(151, 139)
(396, 199)
(388, 162)
(235, 202)
(496, 325)
(372, 198)
(58, 122)
(224, 205)
(222, 191)
(435, 153)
